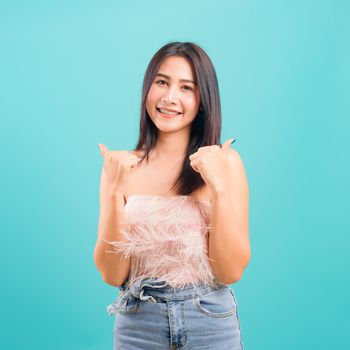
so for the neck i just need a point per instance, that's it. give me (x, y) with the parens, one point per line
(171, 146)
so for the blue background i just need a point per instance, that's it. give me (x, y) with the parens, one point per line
(71, 77)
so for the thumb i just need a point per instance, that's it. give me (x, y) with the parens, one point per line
(227, 144)
(103, 149)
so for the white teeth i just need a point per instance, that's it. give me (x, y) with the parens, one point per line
(168, 112)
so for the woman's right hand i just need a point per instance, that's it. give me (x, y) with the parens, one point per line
(116, 166)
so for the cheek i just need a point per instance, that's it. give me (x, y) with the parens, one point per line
(192, 102)
(149, 103)
(151, 96)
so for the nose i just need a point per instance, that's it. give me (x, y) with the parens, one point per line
(170, 95)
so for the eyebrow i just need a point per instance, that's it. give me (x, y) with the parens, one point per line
(182, 80)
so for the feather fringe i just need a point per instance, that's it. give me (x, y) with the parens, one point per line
(166, 239)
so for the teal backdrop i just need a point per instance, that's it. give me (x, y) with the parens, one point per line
(71, 77)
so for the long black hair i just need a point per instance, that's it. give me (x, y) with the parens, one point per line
(205, 128)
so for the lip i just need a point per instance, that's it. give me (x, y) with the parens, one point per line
(168, 116)
(168, 109)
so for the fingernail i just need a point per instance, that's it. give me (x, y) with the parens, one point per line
(233, 141)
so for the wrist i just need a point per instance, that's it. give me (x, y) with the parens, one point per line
(115, 199)
(115, 191)
(220, 188)
(220, 195)
(115, 194)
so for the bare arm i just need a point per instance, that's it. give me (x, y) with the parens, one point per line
(229, 244)
(114, 267)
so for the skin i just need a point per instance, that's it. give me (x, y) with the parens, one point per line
(173, 94)
(221, 168)
(229, 247)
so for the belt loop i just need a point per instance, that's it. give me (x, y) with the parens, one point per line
(147, 297)
(137, 288)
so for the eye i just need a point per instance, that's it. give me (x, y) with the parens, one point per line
(188, 87)
(160, 81)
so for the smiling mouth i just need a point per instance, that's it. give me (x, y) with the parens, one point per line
(168, 115)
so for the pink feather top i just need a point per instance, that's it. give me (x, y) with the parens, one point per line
(167, 239)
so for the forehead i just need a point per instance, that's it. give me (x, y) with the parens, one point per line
(177, 68)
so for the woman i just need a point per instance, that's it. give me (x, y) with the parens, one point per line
(174, 211)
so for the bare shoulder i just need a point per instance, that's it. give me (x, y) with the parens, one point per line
(138, 153)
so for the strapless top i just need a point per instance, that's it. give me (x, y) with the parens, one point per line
(167, 239)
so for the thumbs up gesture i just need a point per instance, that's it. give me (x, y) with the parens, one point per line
(212, 163)
(117, 164)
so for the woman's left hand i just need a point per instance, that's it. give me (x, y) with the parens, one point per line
(212, 162)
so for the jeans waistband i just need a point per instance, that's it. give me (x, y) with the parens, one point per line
(160, 291)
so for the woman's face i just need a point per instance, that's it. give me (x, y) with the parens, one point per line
(173, 89)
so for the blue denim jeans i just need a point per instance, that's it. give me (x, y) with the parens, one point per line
(151, 315)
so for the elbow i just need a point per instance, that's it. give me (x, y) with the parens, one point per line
(112, 281)
(240, 271)
(228, 279)
(236, 275)
(232, 279)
